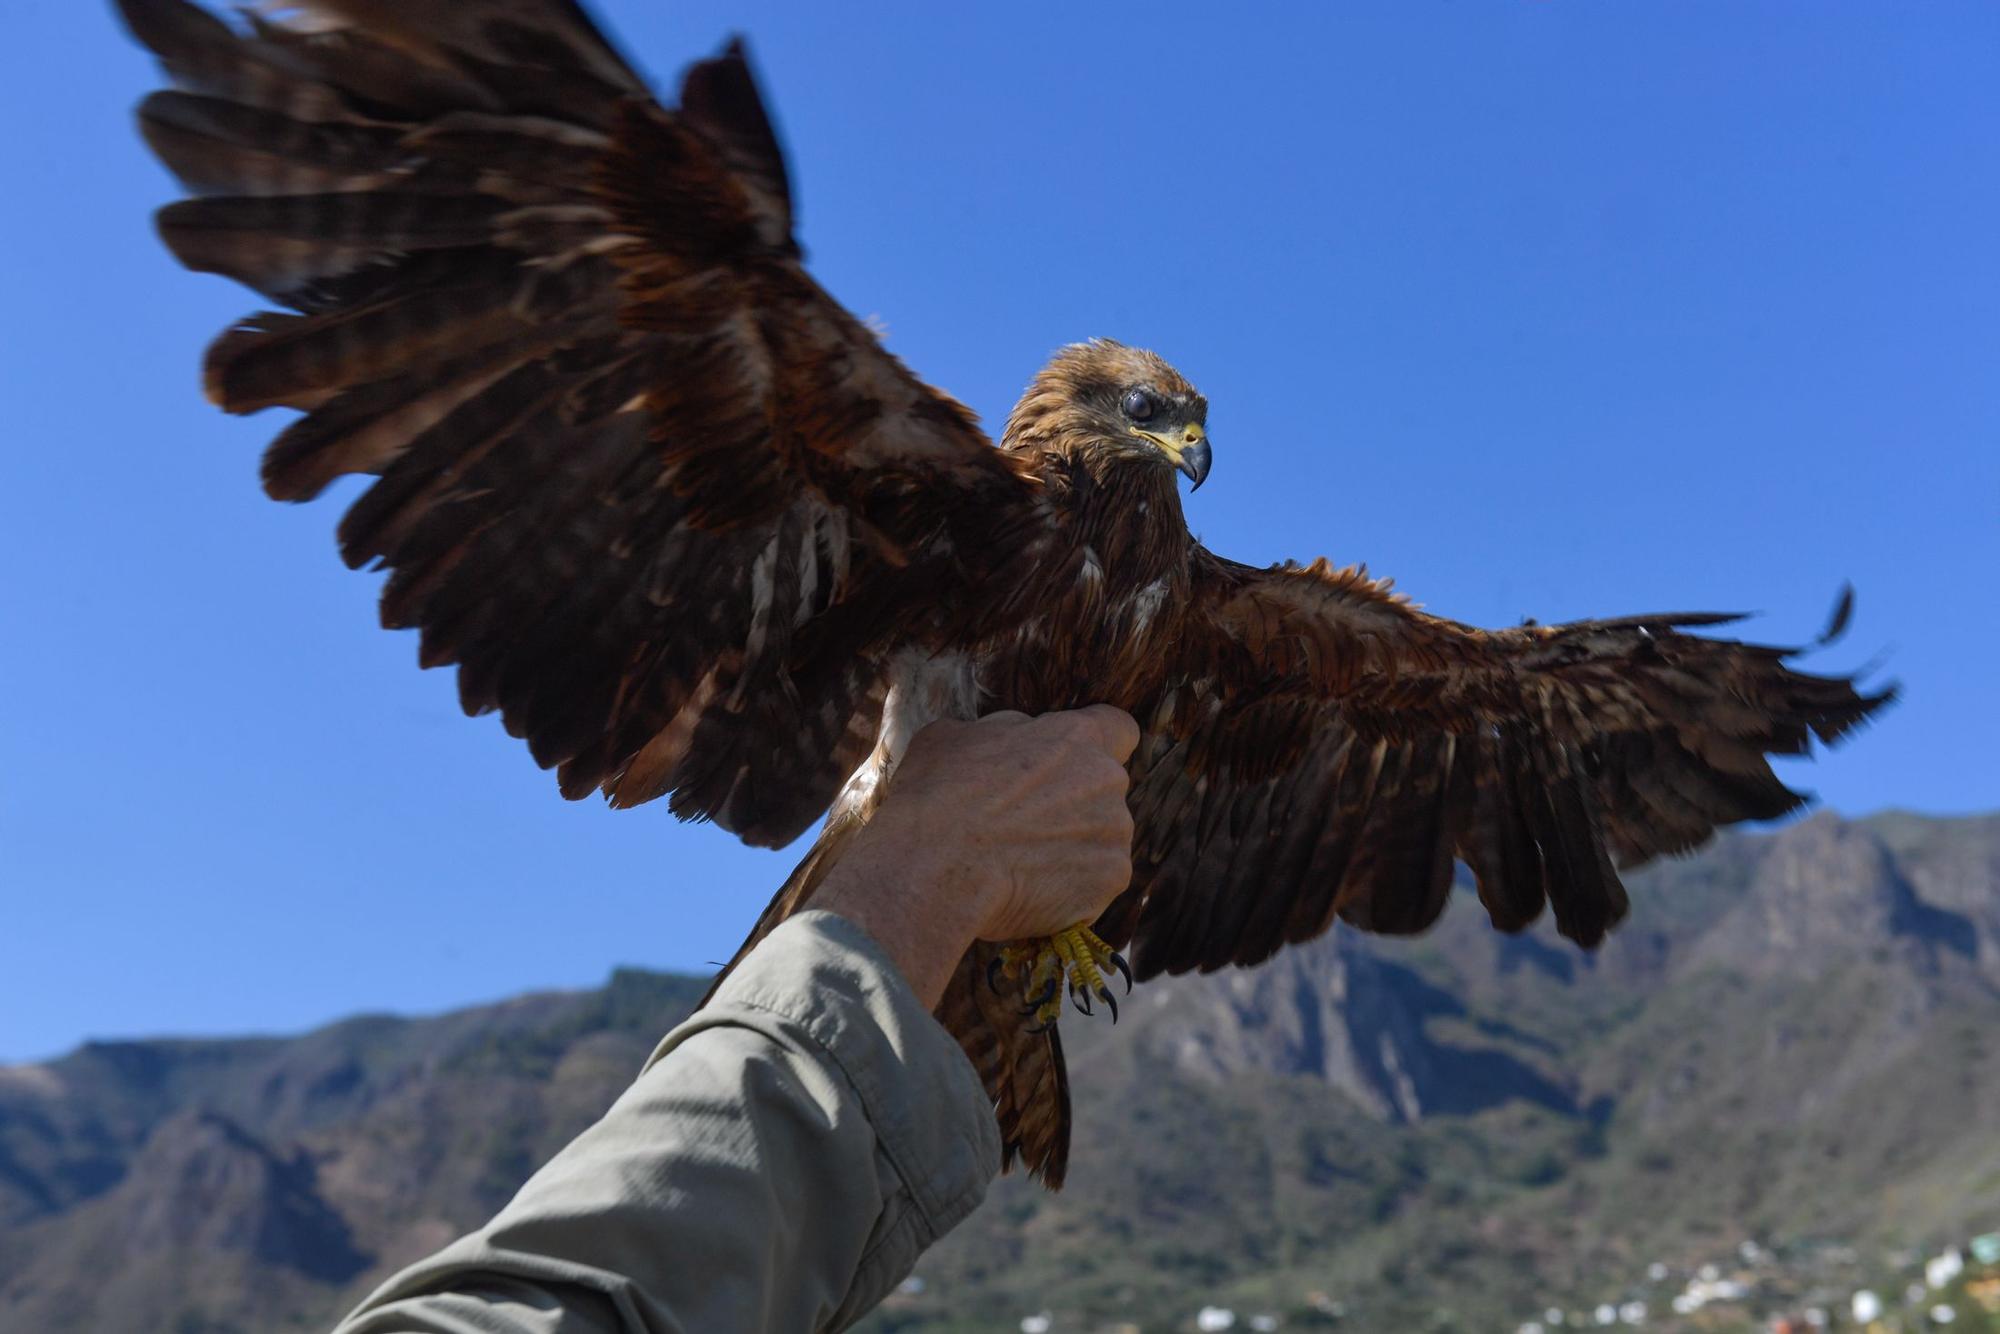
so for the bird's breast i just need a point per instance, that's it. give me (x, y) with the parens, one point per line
(1100, 640)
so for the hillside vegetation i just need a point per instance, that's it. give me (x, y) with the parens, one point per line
(1794, 1044)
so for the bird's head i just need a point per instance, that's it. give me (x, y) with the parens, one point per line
(1110, 402)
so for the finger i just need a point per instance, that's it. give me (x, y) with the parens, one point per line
(1114, 728)
(1009, 717)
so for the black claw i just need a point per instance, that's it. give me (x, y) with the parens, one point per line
(993, 973)
(1104, 994)
(1035, 1003)
(1081, 999)
(1125, 969)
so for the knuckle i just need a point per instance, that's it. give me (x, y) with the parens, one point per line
(1070, 724)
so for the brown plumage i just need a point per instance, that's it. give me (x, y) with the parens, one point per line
(684, 524)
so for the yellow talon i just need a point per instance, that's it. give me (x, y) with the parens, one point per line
(1076, 948)
(1073, 958)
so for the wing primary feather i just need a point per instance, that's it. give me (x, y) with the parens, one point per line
(1836, 623)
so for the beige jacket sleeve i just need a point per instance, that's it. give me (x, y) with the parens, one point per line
(778, 1166)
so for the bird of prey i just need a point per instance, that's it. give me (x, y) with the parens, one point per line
(686, 526)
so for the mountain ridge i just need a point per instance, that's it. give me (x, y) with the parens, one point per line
(1790, 1034)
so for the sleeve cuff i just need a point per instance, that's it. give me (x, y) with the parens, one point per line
(827, 978)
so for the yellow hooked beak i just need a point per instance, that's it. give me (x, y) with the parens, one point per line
(1188, 450)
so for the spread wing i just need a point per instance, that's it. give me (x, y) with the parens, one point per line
(664, 503)
(1327, 750)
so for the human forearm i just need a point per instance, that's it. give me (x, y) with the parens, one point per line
(778, 1166)
(908, 906)
(792, 1148)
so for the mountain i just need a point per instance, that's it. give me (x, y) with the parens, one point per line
(1795, 1041)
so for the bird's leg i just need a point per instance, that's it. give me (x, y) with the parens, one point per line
(1074, 956)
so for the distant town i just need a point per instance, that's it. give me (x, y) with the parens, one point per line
(1807, 1288)
(1797, 1289)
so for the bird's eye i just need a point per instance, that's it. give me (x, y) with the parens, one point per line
(1139, 405)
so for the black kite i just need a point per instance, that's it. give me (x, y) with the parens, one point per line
(693, 533)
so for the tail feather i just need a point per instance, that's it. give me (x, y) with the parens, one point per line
(1023, 1070)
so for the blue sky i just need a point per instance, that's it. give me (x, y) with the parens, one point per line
(1545, 308)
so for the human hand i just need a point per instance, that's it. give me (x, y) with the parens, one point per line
(1007, 828)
